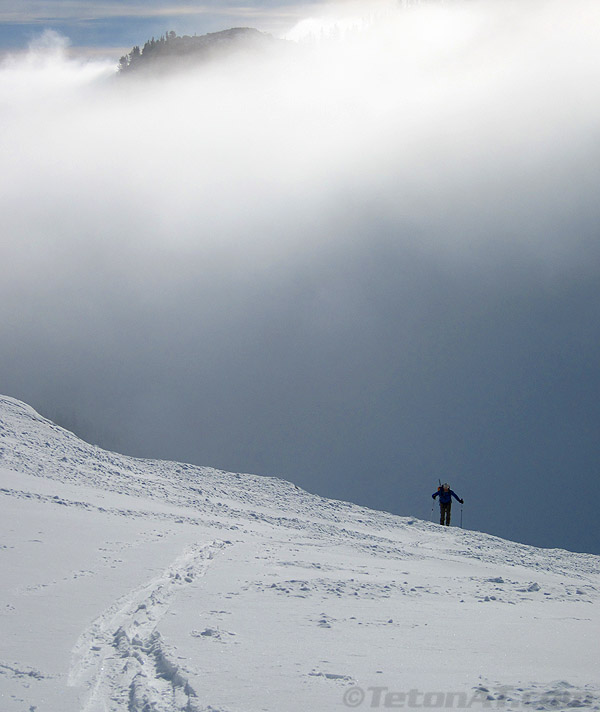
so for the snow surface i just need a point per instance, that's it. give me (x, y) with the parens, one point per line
(143, 585)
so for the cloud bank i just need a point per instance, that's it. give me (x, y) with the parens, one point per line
(359, 263)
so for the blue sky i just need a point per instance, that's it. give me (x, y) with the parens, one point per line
(118, 24)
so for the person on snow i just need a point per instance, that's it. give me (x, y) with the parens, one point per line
(446, 495)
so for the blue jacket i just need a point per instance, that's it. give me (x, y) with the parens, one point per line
(445, 497)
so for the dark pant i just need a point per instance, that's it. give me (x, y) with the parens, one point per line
(445, 513)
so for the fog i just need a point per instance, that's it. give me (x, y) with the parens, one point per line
(362, 261)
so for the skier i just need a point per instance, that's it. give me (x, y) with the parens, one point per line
(446, 495)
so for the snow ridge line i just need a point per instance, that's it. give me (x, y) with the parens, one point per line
(122, 657)
(116, 511)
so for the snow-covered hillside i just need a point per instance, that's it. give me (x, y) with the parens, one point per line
(142, 585)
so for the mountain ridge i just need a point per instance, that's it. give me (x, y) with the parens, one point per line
(136, 585)
(53, 452)
(172, 52)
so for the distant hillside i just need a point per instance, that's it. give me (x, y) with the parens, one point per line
(173, 52)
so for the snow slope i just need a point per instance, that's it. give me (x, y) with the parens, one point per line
(142, 585)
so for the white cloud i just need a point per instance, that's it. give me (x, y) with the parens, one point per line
(452, 105)
(290, 250)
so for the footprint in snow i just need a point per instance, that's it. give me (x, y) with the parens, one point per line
(331, 676)
(211, 633)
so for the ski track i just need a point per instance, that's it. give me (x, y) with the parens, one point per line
(122, 663)
(123, 660)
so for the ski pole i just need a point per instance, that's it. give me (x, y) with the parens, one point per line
(461, 509)
(433, 505)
